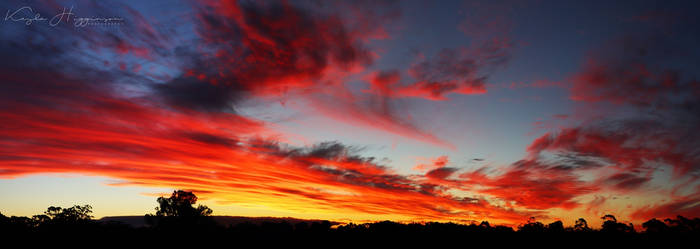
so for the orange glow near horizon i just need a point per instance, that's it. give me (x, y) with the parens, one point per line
(146, 146)
(143, 145)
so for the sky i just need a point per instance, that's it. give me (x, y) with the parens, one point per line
(353, 111)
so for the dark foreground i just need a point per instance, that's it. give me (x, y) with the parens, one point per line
(205, 230)
(178, 223)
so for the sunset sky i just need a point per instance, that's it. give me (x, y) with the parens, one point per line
(354, 111)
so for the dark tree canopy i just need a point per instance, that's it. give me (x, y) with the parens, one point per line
(581, 225)
(532, 225)
(556, 226)
(611, 225)
(178, 213)
(73, 214)
(179, 204)
(58, 216)
(655, 226)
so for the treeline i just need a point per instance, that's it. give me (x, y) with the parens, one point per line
(177, 214)
(78, 218)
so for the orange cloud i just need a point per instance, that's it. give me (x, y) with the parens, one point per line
(435, 163)
(216, 155)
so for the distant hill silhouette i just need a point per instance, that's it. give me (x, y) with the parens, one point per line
(133, 221)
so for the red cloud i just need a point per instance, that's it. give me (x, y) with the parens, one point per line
(622, 83)
(628, 148)
(438, 90)
(461, 71)
(273, 48)
(635, 69)
(624, 154)
(382, 82)
(435, 163)
(283, 50)
(440, 173)
(688, 206)
(531, 185)
(380, 118)
(79, 129)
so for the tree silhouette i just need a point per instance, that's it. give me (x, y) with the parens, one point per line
(178, 212)
(75, 214)
(532, 226)
(581, 225)
(485, 225)
(683, 225)
(612, 226)
(654, 226)
(556, 226)
(179, 204)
